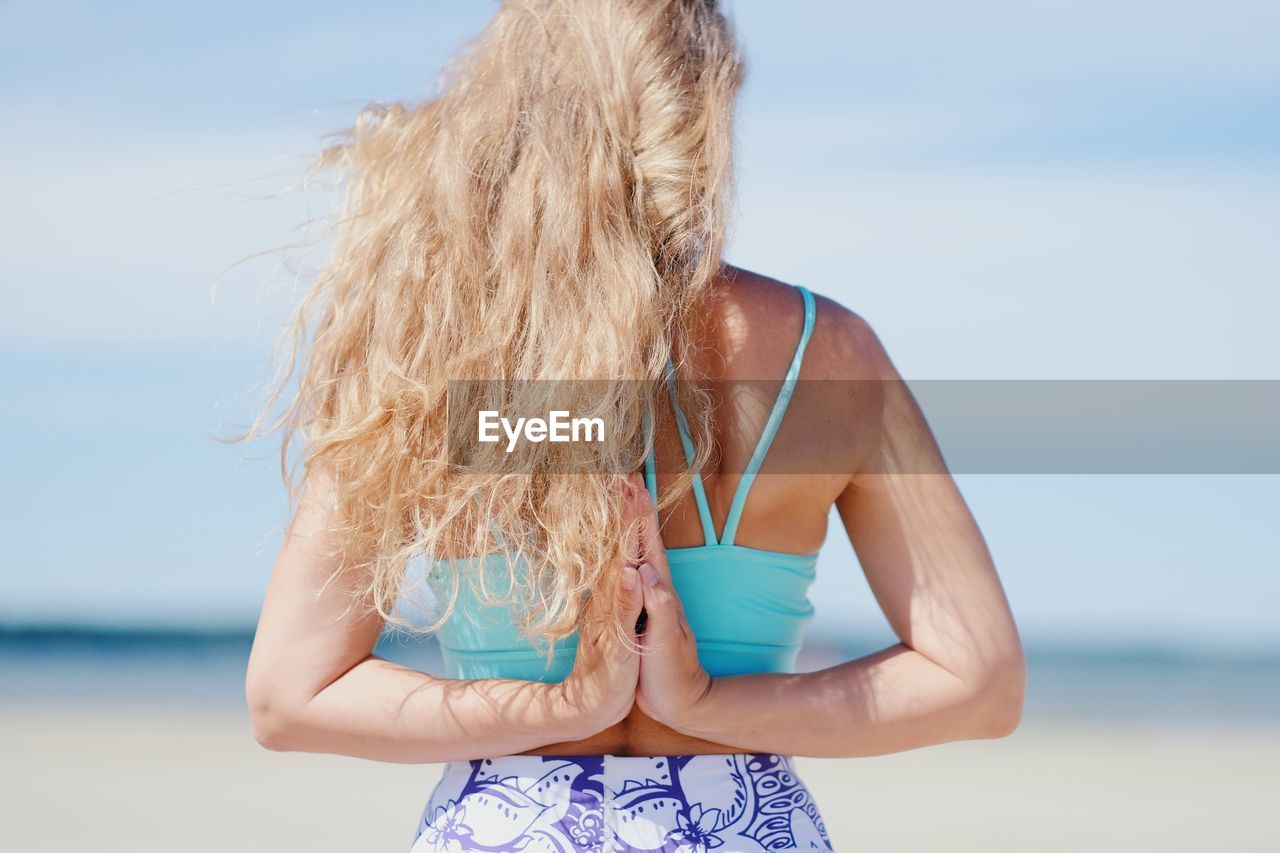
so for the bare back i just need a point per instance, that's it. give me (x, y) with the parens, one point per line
(752, 325)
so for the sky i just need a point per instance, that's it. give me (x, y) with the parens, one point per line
(1004, 190)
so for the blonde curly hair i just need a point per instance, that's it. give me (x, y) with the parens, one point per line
(557, 211)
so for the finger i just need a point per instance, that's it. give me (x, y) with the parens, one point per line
(631, 594)
(665, 617)
(606, 608)
(652, 549)
(624, 605)
(606, 638)
(635, 501)
(628, 602)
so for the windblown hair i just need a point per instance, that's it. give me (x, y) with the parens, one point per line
(556, 212)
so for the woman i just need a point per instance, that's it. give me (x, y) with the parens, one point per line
(620, 641)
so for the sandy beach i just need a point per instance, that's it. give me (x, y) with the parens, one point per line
(108, 778)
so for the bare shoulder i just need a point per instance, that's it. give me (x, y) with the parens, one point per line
(768, 312)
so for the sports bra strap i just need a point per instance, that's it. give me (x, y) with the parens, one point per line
(699, 490)
(771, 426)
(762, 445)
(651, 472)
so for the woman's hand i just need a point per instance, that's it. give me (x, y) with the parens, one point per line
(672, 681)
(601, 689)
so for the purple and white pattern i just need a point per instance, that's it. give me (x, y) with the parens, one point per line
(627, 804)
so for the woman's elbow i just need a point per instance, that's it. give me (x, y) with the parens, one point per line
(1002, 697)
(271, 729)
(272, 716)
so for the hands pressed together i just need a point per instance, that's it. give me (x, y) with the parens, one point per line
(664, 678)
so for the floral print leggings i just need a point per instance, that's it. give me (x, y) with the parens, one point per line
(685, 803)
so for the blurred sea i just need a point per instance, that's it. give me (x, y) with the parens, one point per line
(73, 665)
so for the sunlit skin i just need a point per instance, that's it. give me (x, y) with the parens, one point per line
(956, 673)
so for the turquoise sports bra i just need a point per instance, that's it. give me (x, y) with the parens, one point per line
(747, 607)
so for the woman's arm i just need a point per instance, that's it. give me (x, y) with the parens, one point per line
(958, 671)
(314, 685)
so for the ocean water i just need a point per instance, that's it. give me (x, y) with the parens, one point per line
(205, 669)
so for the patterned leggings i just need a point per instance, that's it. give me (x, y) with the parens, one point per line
(685, 803)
